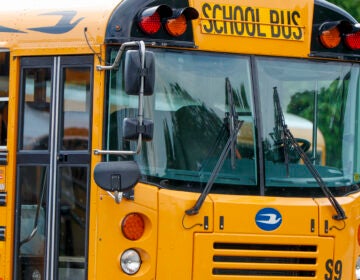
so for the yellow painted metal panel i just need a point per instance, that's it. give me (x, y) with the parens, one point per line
(176, 230)
(10, 171)
(299, 215)
(2, 265)
(110, 243)
(146, 196)
(2, 216)
(270, 28)
(345, 233)
(43, 26)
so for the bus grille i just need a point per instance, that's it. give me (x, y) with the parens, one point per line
(228, 254)
(235, 256)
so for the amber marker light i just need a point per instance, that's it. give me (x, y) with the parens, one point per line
(176, 26)
(330, 38)
(178, 23)
(133, 226)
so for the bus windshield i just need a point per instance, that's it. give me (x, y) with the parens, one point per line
(320, 105)
(198, 96)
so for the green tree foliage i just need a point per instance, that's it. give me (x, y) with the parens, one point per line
(330, 114)
(351, 6)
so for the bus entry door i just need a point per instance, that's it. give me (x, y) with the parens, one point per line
(53, 158)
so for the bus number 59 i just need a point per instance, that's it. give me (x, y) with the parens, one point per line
(334, 271)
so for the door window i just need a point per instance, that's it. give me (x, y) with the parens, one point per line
(4, 95)
(36, 108)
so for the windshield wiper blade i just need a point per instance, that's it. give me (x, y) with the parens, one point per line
(232, 117)
(289, 138)
(195, 209)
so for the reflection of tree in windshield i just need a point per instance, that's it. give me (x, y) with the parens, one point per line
(195, 133)
(198, 133)
(330, 116)
(176, 93)
(240, 99)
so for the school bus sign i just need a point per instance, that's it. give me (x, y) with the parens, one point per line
(246, 21)
(282, 28)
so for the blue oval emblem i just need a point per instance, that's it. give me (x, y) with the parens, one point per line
(268, 219)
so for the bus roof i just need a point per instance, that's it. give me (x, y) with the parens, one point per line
(276, 28)
(54, 24)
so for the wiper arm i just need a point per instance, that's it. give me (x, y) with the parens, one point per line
(289, 138)
(232, 117)
(195, 209)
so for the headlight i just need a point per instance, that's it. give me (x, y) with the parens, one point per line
(357, 269)
(130, 261)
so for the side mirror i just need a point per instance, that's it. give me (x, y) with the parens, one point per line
(133, 72)
(132, 129)
(118, 176)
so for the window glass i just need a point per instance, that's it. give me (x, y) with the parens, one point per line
(4, 96)
(36, 109)
(197, 96)
(32, 183)
(72, 224)
(319, 103)
(76, 112)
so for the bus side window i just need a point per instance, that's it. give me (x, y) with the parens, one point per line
(4, 95)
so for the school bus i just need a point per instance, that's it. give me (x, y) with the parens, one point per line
(175, 139)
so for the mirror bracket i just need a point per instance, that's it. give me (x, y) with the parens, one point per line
(143, 72)
(116, 63)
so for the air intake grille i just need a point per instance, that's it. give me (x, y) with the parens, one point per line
(274, 256)
(240, 253)
(2, 233)
(2, 198)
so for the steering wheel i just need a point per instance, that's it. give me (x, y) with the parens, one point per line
(276, 153)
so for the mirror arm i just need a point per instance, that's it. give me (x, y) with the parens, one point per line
(121, 153)
(142, 85)
(141, 45)
(117, 196)
(116, 63)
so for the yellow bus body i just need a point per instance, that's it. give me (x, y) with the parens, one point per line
(176, 246)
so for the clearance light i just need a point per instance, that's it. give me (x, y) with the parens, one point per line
(150, 24)
(130, 261)
(133, 226)
(151, 18)
(330, 38)
(352, 40)
(177, 24)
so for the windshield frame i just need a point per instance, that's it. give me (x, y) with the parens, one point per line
(339, 185)
(261, 188)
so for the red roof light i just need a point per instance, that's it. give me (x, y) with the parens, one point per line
(151, 24)
(352, 40)
(150, 19)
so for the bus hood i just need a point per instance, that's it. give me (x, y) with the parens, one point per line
(244, 236)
